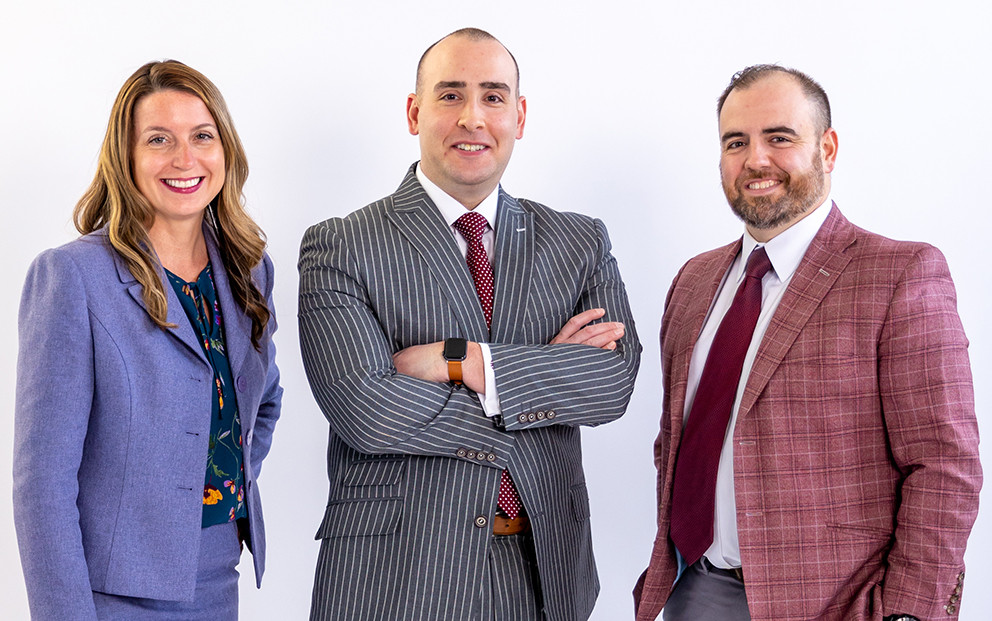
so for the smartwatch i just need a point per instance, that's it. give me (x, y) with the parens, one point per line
(455, 351)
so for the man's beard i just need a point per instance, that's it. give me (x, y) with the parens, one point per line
(803, 192)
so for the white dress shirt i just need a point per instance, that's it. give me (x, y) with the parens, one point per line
(451, 210)
(785, 251)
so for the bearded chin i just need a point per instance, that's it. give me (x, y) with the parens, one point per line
(803, 192)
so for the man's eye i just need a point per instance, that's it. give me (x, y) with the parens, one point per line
(736, 144)
(494, 99)
(449, 97)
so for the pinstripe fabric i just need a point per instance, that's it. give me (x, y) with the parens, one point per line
(856, 466)
(414, 466)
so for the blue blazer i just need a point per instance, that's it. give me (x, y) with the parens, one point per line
(112, 419)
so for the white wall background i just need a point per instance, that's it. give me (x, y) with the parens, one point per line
(621, 126)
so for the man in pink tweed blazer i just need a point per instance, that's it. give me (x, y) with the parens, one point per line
(849, 477)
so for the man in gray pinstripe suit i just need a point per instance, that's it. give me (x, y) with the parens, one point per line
(415, 459)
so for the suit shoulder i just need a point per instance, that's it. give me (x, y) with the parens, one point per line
(86, 254)
(872, 248)
(360, 218)
(543, 212)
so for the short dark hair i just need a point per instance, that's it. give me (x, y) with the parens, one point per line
(473, 34)
(811, 88)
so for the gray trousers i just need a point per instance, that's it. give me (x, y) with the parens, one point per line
(216, 597)
(513, 590)
(704, 595)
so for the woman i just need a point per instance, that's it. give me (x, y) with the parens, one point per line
(147, 390)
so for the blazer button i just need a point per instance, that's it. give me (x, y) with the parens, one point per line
(470, 454)
(541, 415)
(242, 383)
(461, 452)
(551, 414)
(248, 439)
(481, 521)
(481, 456)
(491, 457)
(522, 418)
(532, 417)
(951, 609)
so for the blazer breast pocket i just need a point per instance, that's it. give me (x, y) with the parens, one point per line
(361, 518)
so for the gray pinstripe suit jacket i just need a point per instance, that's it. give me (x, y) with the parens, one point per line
(414, 465)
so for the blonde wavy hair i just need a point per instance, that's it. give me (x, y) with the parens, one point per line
(114, 201)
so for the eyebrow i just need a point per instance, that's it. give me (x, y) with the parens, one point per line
(782, 129)
(157, 128)
(499, 86)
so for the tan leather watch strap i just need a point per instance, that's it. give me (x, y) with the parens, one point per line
(455, 371)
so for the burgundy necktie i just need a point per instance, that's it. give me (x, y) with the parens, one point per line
(471, 226)
(694, 489)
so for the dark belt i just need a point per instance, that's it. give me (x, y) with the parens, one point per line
(503, 525)
(734, 572)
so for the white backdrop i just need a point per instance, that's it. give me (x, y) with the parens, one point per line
(621, 126)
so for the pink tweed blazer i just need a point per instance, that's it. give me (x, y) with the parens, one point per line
(856, 465)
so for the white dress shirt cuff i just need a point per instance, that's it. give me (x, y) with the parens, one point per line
(490, 398)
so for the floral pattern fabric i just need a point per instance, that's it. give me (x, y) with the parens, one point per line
(223, 487)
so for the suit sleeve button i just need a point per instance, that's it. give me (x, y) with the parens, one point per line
(470, 454)
(522, 418)
(532, 417)
(541, 415)
(551, 414)
(481, 521)
(491, 457)
(461, 452)
(481, 456)
(951, 609)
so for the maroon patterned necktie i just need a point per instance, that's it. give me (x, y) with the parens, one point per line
(471, 226)
(694, 489)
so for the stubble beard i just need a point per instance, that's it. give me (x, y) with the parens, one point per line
(802, 193)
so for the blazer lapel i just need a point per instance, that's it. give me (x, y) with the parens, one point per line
(237, 325)
(703, 284)
(420, 222)
(513, 261)
(183, 330)
(823, 263)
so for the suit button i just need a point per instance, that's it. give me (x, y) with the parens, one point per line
(461, 452)
(532, 417)
(551, 414)
(541, 415)
(951, 609)
(242, 383)
(491, 457)
(481, 521)
(522, 418)
(957, 590)
(954, 599)
(470, 454)
(481, 456)
(250, 435)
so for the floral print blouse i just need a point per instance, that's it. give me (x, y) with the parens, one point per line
(223, 487)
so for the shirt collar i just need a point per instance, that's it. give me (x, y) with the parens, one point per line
(786, 250)
(451, 209)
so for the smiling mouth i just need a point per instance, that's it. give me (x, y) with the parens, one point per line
(470, 147)
(762, 185)
(183, 184)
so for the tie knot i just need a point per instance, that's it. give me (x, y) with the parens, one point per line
(471, 225)
(758, 263)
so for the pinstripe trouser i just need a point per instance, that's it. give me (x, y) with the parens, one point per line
(513, 591)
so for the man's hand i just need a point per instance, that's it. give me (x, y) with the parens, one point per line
(426, 362)
(577, 331)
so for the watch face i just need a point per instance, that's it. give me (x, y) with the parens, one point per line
(455, 349)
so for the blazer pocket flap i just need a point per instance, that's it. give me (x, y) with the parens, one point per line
(359, 518)
(580, 502)
(370, 472)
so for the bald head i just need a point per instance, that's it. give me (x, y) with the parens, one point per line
(471, 34)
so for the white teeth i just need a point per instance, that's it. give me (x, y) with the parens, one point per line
(471, 147)
(183, 185)
(761, 185)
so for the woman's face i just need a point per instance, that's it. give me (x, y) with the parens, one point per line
(177, 157)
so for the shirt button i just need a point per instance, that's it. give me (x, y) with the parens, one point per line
(481, 521)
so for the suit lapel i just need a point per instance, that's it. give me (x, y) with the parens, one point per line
(823, 263)
(182, 330)
(237, 325)
(419, 221)
(513, 261)
(703, 284)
